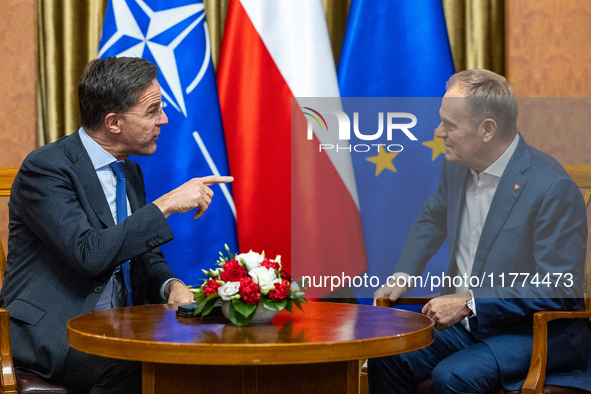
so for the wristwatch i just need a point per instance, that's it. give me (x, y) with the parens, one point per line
(470, 306)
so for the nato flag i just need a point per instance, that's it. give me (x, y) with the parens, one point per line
(173, 35)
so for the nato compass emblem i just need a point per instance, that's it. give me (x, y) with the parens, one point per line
(132, 28)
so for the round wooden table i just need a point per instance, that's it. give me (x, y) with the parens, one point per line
(312, 351)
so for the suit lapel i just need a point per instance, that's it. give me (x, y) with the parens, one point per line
(132, 182)
(503, 202)
(82, 166)
(457, 195)
(456, 203)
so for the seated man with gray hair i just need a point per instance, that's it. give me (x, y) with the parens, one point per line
(504, 208)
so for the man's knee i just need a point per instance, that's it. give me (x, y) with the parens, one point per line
(445, 379)
(457, 374)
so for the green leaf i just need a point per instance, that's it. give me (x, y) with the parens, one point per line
(199, 298)
(199, 309)
(237, 318)
(243, 308)
(297, 302)
(208, 306)
(289, 306)
(205, 305)
(274, 306)
(301, 283)
(212, 297)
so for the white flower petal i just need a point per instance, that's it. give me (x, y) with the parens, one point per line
(228, 290)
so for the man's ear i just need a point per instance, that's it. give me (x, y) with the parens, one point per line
(489, 129)
(113, 123)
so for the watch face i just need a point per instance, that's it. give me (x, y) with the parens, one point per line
(470, 305)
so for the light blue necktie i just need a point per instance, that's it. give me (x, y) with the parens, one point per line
(118, 168)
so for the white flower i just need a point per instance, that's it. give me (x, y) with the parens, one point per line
(228, 290)
(264, 277)
(213, 273)
(251, 259)
(295, 290)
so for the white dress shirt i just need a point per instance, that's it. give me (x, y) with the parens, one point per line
(480, 190)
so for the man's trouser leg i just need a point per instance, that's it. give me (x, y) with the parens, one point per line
(101, 375)
(455, 360)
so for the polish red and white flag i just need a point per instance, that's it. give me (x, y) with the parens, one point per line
(291, 199)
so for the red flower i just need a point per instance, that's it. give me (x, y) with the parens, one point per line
(270, 264)
(280, 291)
(232, 271)
(211, 287)
(249, 291)
(285, 275)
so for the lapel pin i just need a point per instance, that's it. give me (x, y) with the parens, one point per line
(516, 187)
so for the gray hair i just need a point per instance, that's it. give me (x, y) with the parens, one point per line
(489, 95)
(110, 85)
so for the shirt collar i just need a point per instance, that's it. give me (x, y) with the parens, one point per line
(100, 158)
(498, 167)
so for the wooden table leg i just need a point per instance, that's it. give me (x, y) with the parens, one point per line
(338, 378)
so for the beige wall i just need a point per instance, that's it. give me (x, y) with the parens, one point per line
(18, 69)
(549, 47)
(548, 54)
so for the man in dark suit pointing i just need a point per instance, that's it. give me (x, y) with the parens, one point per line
(82, 237)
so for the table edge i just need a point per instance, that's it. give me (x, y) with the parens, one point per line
(248, 354)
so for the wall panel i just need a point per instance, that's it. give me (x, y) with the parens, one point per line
(548, 54)
(18, 70)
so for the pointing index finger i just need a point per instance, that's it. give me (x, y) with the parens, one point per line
(213, 179)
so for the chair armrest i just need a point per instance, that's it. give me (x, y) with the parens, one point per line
(8, 378)
(534, 382)
(385, 302)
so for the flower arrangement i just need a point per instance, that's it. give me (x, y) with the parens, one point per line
(247, 281)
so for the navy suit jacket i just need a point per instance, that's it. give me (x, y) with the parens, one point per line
(536, 224)
(63, 247)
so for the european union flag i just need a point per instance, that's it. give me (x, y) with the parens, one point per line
(173, 35)
(395, 48)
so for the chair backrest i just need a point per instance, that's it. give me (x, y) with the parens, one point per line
(581, 174)
(6, 178)
(7, 377)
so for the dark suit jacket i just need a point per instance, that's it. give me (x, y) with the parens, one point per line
(538, 226)
(63, 247)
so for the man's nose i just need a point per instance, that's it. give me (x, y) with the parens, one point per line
(440, 131)
(163, 118)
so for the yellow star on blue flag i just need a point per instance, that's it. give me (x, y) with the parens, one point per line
(383, 160)
(437, 145)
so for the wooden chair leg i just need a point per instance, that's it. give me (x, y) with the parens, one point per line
(8, 378)
(363, 382)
